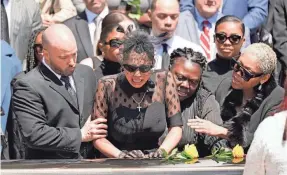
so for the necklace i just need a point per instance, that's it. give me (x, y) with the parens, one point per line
(139, 103)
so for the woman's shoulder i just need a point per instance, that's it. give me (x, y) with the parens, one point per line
(109, 78)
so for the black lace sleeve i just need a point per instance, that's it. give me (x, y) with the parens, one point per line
(101, 100)
(172, 102)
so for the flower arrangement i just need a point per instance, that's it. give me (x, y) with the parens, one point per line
(190, 155)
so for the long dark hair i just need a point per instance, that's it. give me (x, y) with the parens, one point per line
(32, 61)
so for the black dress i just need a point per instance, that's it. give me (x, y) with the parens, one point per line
(105, 67)
(129, 127)
(216, 71)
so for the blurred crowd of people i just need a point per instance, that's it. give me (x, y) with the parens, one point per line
(121, 79)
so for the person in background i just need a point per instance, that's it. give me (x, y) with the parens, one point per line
(253, 13)
(10, 66)
(35, 49)
(164, 17)
(53, 102)
(198, 26)
(267, 153)
(229, 39)
(23, 18)
(247, 99)
(138, 105)
(56, 11)
(196, 101)
(112, 38)
(87, 27)
(79, 5)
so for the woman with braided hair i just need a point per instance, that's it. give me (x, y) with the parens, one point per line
(34, 55)
(196, 101)
(249, 97)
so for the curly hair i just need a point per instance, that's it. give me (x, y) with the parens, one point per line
(140, 42)
(190, 55)
(267, 59)
(32, 61)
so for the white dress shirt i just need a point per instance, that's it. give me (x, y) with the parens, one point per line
(92, 25)
(72, 82)
(174, 43)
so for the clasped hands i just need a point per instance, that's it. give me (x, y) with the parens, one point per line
(139, 154)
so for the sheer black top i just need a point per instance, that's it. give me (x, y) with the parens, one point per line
(129, 128)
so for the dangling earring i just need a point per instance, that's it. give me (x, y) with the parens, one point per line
(260, 87)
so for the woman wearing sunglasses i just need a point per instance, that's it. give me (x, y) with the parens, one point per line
(35, 49)
(229, 37)
(250, 96)
(110, 41)
(187, 66)
(138, 105)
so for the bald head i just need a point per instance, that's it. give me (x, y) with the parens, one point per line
(60, 49)
(59, 36)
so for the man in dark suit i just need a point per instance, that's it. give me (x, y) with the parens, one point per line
(87, 27)
(53, 102)
(279, 32)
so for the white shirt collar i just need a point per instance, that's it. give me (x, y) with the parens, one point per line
(91, 15)
(57, 75)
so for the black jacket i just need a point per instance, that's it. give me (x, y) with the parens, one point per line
(48, 120)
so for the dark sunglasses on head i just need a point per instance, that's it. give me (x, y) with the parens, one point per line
(116, 43)
(233, 38)
(141, 68)
(245, 74)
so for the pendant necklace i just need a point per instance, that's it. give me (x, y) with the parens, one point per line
(139, 103)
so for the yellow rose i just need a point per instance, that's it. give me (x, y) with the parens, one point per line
(238, 152)
(191, 151)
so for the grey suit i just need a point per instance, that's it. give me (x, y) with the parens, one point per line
(79, 27)
(25, 18)
(187, 28)
(49, 120)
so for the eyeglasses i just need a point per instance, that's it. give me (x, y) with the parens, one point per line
(182, 79)
(141, 68)
(233, 38)
(245, 74)
(116, 43)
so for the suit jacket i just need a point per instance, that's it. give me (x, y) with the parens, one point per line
(187, 28)
(10, 66)
(252, 12)
(48, 118)
(280, 31)
(25, 18)
(63, 9)
(79, 27)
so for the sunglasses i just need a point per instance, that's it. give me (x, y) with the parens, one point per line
(182, 79)
(245, 74)
(116, 43)
(233, 38)
(141, 68)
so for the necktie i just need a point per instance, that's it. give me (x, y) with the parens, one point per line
(165, 57)
(97, 21)
(204, 39)
(69, 88)
(4, 24)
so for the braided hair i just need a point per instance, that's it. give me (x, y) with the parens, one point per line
(195, 57)
(32, 61)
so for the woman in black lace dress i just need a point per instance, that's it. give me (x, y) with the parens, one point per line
(139, 104)
(247, 99)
